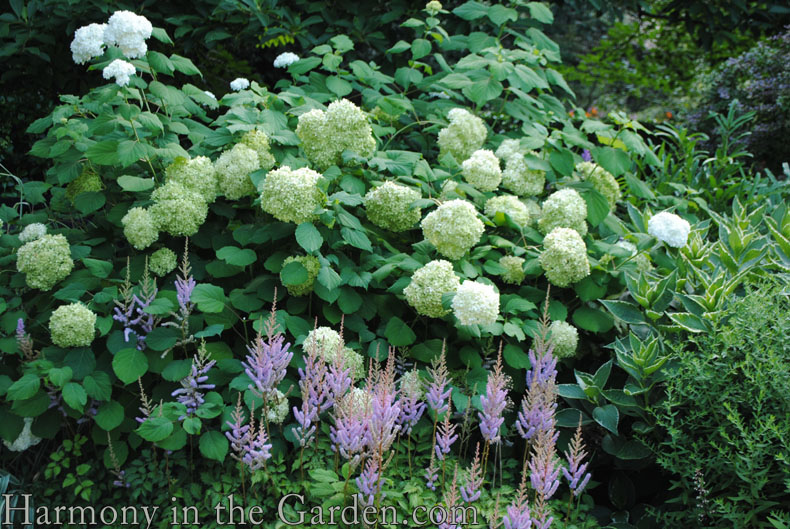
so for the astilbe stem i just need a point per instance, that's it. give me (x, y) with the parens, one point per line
(431, 474)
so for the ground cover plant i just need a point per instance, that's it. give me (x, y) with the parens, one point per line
(431, 283)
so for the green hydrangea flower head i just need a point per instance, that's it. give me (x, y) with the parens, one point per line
(602, 180)
(509, 205)
(233, 171)
(292, 195)
(476, 303)
(520, 179)
(197, 174)
(564, 257)
(258, 141)
(508, 148)
(514, 269)
(564, 337)
(434, 7)
(482, 170)
(140, 228)
(326, 341)
(88, 180)
(533, 208)
(326, 134)
(449, 190)
(312, 265)
(162, 262)
(45, 261)
(453, 228)
(177, 210)
(411, 384)
(277, 407)
(564, 209)
(354, 361)
(427, 286)
(465, 134)
(72, 325)
(32, 231)
(387, 206)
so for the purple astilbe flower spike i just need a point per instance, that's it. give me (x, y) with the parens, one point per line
(539, 404)
(431, 474)
(185, 284)
(338, 381)
(385, 410)
(248, 445)
(267, 360)
(575, 473)
(239, 433)
(130, 312)
(445, 436)
(312, 383)
(258, 449)
(349, 431)
(23, 340)
(493, 403)
(586, 156)
(544, 472)
(411, 404)
(453, 515)
(190, 394)
(470, 491)
(437, 396)
(517, 513)
(369, 483)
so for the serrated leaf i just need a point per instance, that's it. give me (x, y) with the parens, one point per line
(129, 365)
(398, 333)
(214, 445)
(155, 429)
(209, 298)
(109, 415)
(184, 65)
(237, 256)
(100, 269)
(24, 388)
(74, 395)
(308, 237)
(103, 152)
(294, 273)
(471, 10)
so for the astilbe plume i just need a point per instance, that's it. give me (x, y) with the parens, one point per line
(190, 394)
(130, 312)
(349, 431)
(185, 284)
(23, 340)
(383, 425)
(518, 514)
(268, 359)
(451, 499)
(575, 473)
(438, 393)
(493, 403)
(411, 405)
(431, 473)
(249, 445)
(147, 406)
(369, 483)
(446, 436)
(470, 491)
(338, 380)
(538, 406)
(312, 383)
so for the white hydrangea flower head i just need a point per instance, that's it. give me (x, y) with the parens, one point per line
(482, 170)
(292, 195)
(72, 325)
(465, 134)
(476, 303)
(239, 84)
(129, 32)
(326, 341)
(627, 246)
(564, 209)
(312, 265)
(565, 339)
(277, 405)
(453, 228)
(284, 60)
(120, 70)
(427, 286)
(32, 232)
(669, 228)
(508, 148)
(45, 261)
(258, 141)
(509, 205)
(520, 179)
(411, 384)
(25, 440)
(514, 269)
(162, 262)
(210, 94)
(564, 257)
(177, 210)
(325, 135)
(139, 228)
(197, 174)
(434, 7)
(233, 171)
(88, 43)
(449, 190)
(354, 361)
(388, 206)
(602, 180)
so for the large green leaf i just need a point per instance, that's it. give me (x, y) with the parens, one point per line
(24, 388)
(209, 298)
(398, 333)
(155, 429)
(129, 365)
(308, 237)
(236, 256)
(109, 415)
(214, 445)
(607, 416)
(74, 395)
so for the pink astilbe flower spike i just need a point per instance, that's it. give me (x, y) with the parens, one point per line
(438, 393)
(451, 500)
(518, 514)
(493, 402)
(383, 425)
(349, 433)
(575, 473)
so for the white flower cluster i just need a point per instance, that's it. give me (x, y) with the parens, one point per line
(476, 303)
(564, 209)
(464, 135)
(564, 337)
(325, 135)
(233, 171)
(284, 60)
(514, 269)
(669, 228)
(427, 286)
(88, 42)
(292, 195)
(519, 178)
(453, 228)
(120, 70)
(197, 174)
(32, 232)
(388, 206)
(239, 84)
(509, 205)
(25, 440)
(129, 32)
(325, 340)
(602, 180)
(564, 258)
(277, 404)
(508, 148)
(482, 170)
